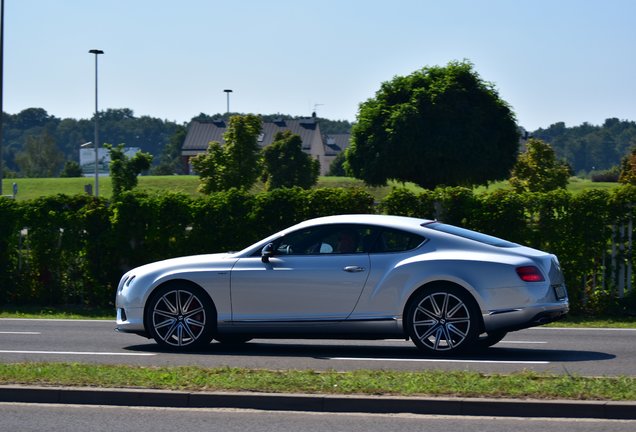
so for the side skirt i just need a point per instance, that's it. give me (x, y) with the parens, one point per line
(358, 329)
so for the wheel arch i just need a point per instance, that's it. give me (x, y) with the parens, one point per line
(176, 283)
(437, 284)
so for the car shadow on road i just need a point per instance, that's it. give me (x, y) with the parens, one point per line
(275, 348)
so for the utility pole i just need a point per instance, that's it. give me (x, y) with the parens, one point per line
(1, 87)
(96, 141)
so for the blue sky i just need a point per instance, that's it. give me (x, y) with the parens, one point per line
(551, 60)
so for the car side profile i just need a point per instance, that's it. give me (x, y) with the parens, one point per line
(448, 289)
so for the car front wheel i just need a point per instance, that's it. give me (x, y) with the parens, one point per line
(443, 320)
(180, 318)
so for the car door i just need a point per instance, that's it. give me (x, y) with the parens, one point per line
(315, 274)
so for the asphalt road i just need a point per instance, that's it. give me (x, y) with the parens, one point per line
(587, 352)
(70, 418)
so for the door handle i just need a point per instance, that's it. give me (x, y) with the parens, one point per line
(354, 269)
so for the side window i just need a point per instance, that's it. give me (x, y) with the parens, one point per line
(331, 239)
(396, 241)
(302, 242)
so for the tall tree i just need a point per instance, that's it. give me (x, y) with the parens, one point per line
(124, 170)
(40, 157)
(336, 168)
(538, 170)
(210, 167)
(286, 165)
(439, 125)
(628, 168)
(237, 162)
(170, 160)
(71, 169)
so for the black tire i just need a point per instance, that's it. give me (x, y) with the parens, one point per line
(232, 339)
(490, 339)
(443, 320)
(180, 318)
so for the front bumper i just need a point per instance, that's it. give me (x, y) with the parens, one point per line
(131, 320)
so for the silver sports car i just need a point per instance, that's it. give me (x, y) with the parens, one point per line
(448, 289)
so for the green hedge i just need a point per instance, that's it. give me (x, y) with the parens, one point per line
(583, 230)
(73, 249)
(62, 249)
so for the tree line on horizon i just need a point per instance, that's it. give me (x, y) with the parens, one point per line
(38, 144)
(589, 149)
(33, 133)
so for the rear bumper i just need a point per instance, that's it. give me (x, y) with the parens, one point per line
(518, 319)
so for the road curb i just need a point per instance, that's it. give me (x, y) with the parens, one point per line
(321, 403)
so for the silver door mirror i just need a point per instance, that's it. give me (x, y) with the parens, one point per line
(267, 252)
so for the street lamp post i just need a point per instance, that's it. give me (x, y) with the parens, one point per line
(96, 142)
(228, 91)
(1, 84)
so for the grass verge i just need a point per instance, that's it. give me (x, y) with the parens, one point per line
(367, 382)
(55, 312)
(574, 321)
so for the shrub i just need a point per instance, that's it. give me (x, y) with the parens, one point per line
(77, 247)
(610, 175)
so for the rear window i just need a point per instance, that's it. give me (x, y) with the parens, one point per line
(391, 240)
(471, 235)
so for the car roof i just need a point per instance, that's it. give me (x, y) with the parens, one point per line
(396, 222)
(373, 219)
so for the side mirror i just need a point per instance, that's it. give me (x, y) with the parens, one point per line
(267, 252)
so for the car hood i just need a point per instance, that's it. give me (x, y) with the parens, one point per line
(221, 261)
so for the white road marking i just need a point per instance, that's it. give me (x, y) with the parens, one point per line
(585, 328)
(76, 353)
(436, 360)
(521, 342)
(20, 333)
(59, 320)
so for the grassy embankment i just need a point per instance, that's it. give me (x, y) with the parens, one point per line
(30, 188)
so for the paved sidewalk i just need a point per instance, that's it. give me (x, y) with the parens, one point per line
(321, 403)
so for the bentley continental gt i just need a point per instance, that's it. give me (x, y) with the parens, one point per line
(447, 289)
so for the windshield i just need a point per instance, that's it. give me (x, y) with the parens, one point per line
(471, 235)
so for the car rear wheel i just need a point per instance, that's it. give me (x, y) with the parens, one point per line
(180, 318)
(443, 320)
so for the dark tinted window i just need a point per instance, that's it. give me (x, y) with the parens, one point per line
(331, 239)
(390, 240)
(471, 235)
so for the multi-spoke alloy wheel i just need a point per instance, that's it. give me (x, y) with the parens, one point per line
(180, 318)
(442, 321)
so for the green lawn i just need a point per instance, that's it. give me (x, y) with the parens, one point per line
(575, 185)
(30, 188)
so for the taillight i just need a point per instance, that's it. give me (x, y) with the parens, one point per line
(530, 274)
